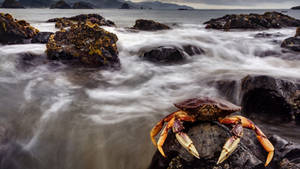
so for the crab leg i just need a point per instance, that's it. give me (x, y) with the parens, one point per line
(246, 123)
(164, 135)
(157, 128)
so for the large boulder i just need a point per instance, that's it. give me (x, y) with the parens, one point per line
(11, 4)
(60, 5)
(149, 25)
(253, 21)
(170, 54)
(86, 44)
(94, 18)
(13, 31)
(82, 5)
(209, 139)
(265, 97)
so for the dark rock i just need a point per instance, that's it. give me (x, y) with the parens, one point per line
(228, 89)
(85, 44)
(41, 37)
(13, 31)
(268, 35)
(170, 54)
(268, 98)
(287, 154)
(253, 21)
(297, 32)
(82, 5)
(125, 6)
(209, 139)
(296, 7)
(93, 18)
(292, 43)
(11, 4)
(149, 25)
(60, 5)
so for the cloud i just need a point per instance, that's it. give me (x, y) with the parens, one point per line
(234, 3)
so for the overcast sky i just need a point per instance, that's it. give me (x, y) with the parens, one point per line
(234, 4)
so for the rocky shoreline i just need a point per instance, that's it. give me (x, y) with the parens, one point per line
(81, 41)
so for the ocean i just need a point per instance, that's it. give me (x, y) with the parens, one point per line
(79, 118)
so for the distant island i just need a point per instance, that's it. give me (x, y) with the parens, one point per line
(296, 7)
(79, 4)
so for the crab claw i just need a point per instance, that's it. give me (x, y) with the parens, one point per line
(230, 145)
(187, 143)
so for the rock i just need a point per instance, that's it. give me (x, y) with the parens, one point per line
(28, 61)
(253, 21)
(86, 44)
(209, 139)
(149, 25)
(125, 6)
(170, 54)
(292, 43)
(60, 5)
(296, 7)
(267, 97)
(268, 35)
(297, 32)
(13, 31)
(287, 154)
(82, 5)
(11, 4)
(41, 37)
(94, 18)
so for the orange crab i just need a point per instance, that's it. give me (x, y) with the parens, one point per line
(208, 109)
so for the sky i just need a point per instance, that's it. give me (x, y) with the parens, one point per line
(234, 4)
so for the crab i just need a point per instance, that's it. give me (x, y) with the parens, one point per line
(208, 109)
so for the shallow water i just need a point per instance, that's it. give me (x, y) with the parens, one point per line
(74, 118)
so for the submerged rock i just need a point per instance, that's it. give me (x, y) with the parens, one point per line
(149, 25)
(93, 18)
(292, 43)
(11, 4)
(41, 37)
(82, 5)
(86, 44)
(13, 31)
(253, 21)
(209, 139)
(170, 54)
(60, 5)
(268, 98)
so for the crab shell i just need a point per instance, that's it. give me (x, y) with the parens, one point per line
(207, 109)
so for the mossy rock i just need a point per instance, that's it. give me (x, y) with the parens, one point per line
(86, 44)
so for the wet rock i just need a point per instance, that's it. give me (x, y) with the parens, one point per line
(292, 43)
(41, 37)
(13, 31)
(268, 35)
(268, 98)
(60, 5)
(228, 89)
(93, 18)
(253, 21)
(297, 32)
(82, 5)
(209, 139)
(149, 25)
(170, 54)
(287, 154)
(28, 61)
(85, 44)
(11, 4)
